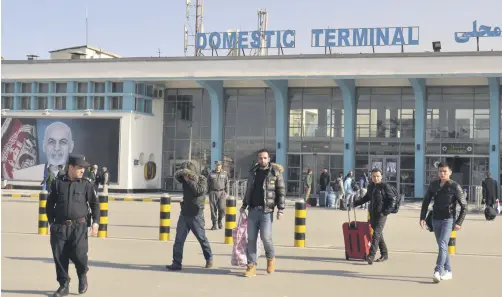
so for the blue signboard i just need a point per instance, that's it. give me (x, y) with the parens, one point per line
(245, 39)
(351, 37)
(482, 31)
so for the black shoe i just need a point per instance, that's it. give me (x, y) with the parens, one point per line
(370, 260)
(63, 290)
(173, 267)
(82, 284)
(209, 263)
(382, 259)
(220, 225)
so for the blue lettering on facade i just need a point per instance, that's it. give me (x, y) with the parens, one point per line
(246, 39)
(352, 37)
(481, 31)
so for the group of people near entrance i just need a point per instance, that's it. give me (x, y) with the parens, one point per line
(72, 198)
(339, 192)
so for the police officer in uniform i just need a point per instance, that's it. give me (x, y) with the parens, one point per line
(218, 191)
(68, 206)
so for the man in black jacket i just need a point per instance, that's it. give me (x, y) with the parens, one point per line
(192, 214)
(446, 194)
(382, 201)
(265, 190)
(490, 191)
(71, 199)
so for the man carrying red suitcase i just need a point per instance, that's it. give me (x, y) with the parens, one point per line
(382, 202)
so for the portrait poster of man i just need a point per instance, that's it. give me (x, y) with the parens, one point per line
(52, 140)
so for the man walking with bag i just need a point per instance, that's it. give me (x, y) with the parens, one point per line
(490, 191)
(265, 191)
(446, 194)
(382, 201)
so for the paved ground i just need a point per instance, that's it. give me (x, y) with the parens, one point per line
(131, 261)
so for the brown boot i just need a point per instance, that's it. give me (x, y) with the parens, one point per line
(250, 271)
(270, 265)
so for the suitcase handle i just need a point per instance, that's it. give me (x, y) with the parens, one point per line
(355, 219)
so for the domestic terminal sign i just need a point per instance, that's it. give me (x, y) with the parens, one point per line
(342, 37)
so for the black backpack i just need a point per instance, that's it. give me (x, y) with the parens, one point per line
(490, 213)
(355, 186)
(395, 192)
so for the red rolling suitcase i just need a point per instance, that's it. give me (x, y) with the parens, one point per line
(357, 237)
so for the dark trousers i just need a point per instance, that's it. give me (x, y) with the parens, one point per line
(69, 242)
(378, 242)
(184, 226)
(217, 204)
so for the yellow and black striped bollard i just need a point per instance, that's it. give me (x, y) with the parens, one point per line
(165, 217)
(452, 244)
(43, 221)
(103, 220)
(230, 219)
(300, 223)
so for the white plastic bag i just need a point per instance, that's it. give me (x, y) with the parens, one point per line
(497, 206)
(240, 237)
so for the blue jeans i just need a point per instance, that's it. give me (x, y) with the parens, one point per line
(259, 221)
(442, 230)
(184, 226)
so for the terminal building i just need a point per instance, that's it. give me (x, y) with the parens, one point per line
(142, 117)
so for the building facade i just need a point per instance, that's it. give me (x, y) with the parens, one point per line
(401, 112)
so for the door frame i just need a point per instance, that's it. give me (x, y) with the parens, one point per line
(471, 157)
(384, 166)
(315, 170)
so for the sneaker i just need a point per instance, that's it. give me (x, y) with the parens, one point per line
(173, 267)
(447, 275)
(382, 259)
(250, 271)
(436, 277)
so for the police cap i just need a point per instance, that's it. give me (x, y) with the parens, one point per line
(78, 160)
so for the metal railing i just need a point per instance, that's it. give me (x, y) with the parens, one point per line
(238, 188)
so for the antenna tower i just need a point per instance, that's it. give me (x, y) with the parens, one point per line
(262, 27)
(193, 25)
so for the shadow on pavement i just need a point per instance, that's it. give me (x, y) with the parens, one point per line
(302, 258)
(28, 292)
(146, 267)
(343, 273)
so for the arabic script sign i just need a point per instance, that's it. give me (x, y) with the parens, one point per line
(482, 31)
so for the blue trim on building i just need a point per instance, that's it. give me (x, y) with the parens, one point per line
(348, 88)
(420, 91)
(70, 95)
(50, 96)
(280, 90)
(89, 101)
(108, 90)
(33, 98)
(129, 97)
(494, 86)
(216, 95)
(17, 98)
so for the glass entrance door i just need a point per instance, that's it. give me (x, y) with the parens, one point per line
(298, 165)
(317, 163)
(389, 167)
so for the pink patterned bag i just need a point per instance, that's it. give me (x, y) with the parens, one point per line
(240, 236)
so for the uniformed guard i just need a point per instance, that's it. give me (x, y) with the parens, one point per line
(218, 191)
(68, 206)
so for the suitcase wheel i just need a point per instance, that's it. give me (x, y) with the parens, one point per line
(346, 256)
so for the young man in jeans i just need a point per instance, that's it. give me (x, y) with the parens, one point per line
(265, 190)
(446, 194)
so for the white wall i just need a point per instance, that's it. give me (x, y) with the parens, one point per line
(268, 67)
(141, 133)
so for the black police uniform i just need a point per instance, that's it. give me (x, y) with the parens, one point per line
(67, 211)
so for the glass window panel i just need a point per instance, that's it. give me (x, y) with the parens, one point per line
(407, 162)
